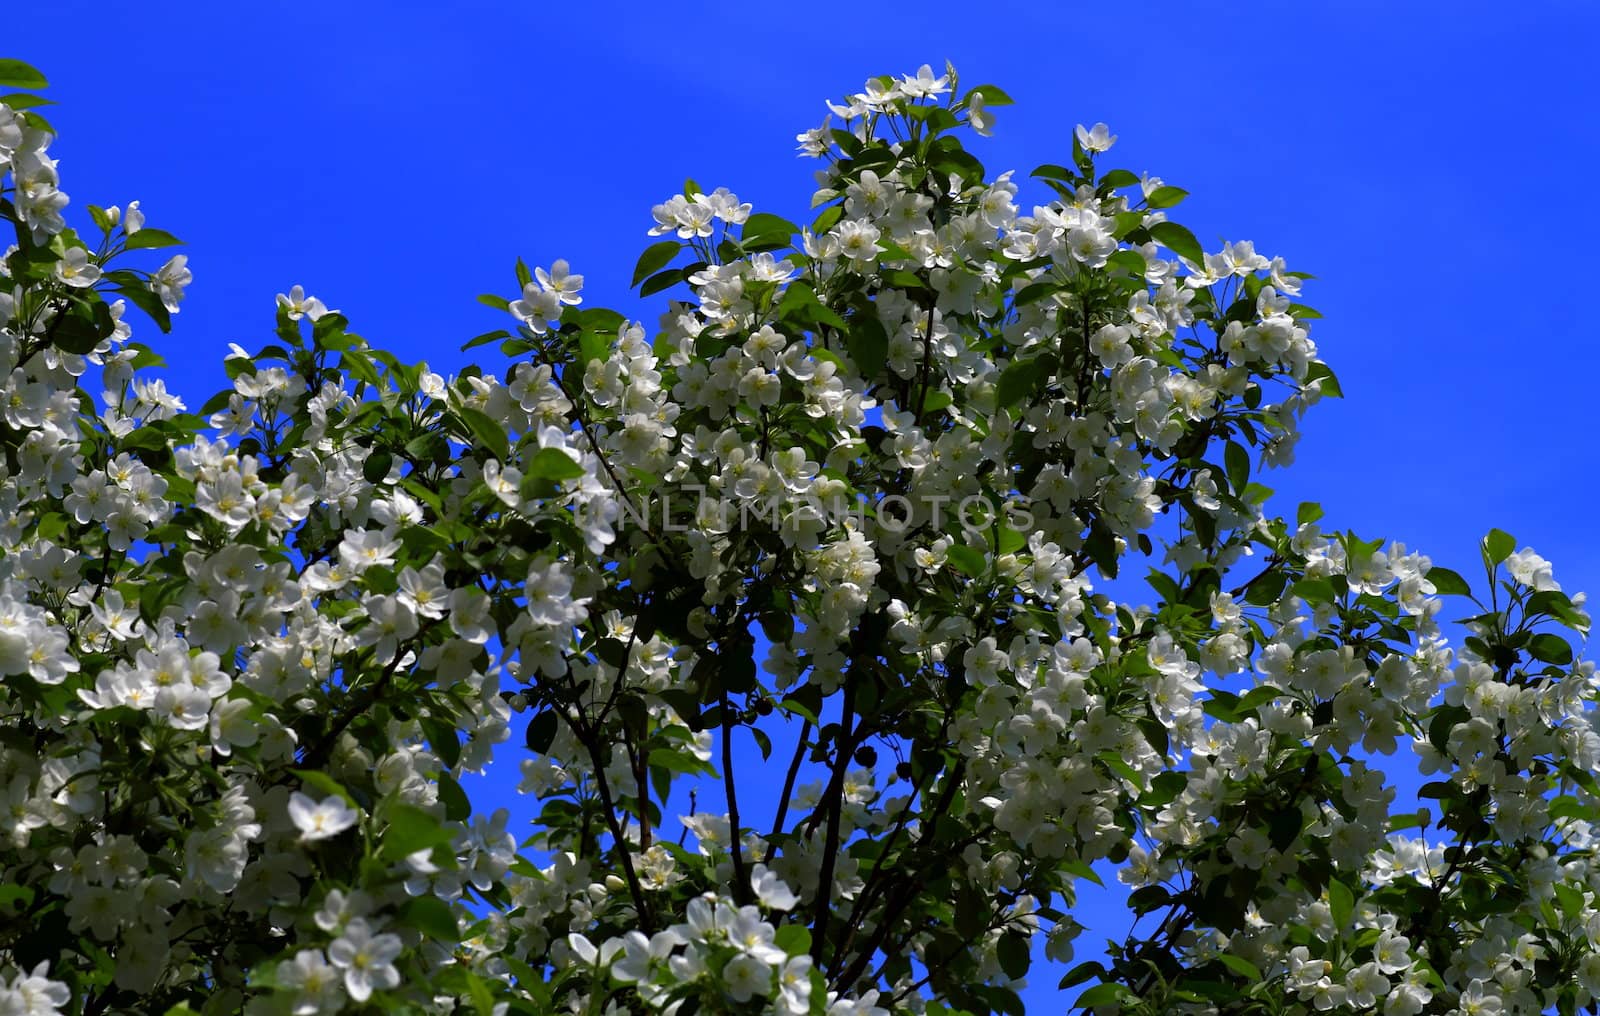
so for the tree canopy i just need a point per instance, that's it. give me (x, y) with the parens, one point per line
(857, 502)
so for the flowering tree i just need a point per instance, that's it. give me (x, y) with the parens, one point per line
(248, 651)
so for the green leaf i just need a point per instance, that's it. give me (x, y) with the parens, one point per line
(992, 95)
(433, 917)
(1166, 197)
(661, 280)
(458, 808)
(1549, 648)
(488, 433)
(655, 257)
(25, 100)
(966, 560)
(592, 346)
(1117, 178)
(324, 784)
(1080, 973)
(1051, 171)
(1448, 583)
(443, 738)
(411, 829)
(482, 996)
(1498, 546)
(1341, 904)
(142, 298)
(827, 220)
(1322, 375)
(486, 338)
(763, 224)
(805, 702)
(1237, 463)
(1315, 591)
(677, 761)
(554, 464)
(1243, 967)
(1557, 605)
(1117, 764)
(1264, 590)
(1036, 291)
(1178, 240)
(1567, 806)
(1013, 955)
(1103, 994)
(542, 731)
(1018, 380)
(15, 898)
(497, 302)
(1082, 870)
(1410, 820)
(377, 466)
(1164, 788)
(868, 344)
(81, 327)
(16, 74)
(973, 912)
(148, 239)
(793, 939)
(101, 219)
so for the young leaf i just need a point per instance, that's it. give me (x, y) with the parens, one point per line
(1243, 967)
(767, 225)
(16, 74)
(1012, 952)
(554, 464)
(411, 829)
(433, 917)
(542, 731)
(655, 257)
(992, 95)
(148, 238)
(1448, 583)
(1178, 240)
(1166, 197)
(485, 339)
(1016, 382)
(1497, 546)
(1238, 465)
(488, 433)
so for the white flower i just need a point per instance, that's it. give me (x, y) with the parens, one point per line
(33, 994)
(1530, 569)
(75, 270)
(182, 706)
(771, 890)
(319, 821)
(366, 959)
(590, 955)
(745, 976)
(299, 305)
(169, 280)
(1097, 138)
(313, 979)
(537, 308)
(561, 282)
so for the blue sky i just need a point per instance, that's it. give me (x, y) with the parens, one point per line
(1427, 164)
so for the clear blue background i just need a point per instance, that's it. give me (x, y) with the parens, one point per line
(1432, 165)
